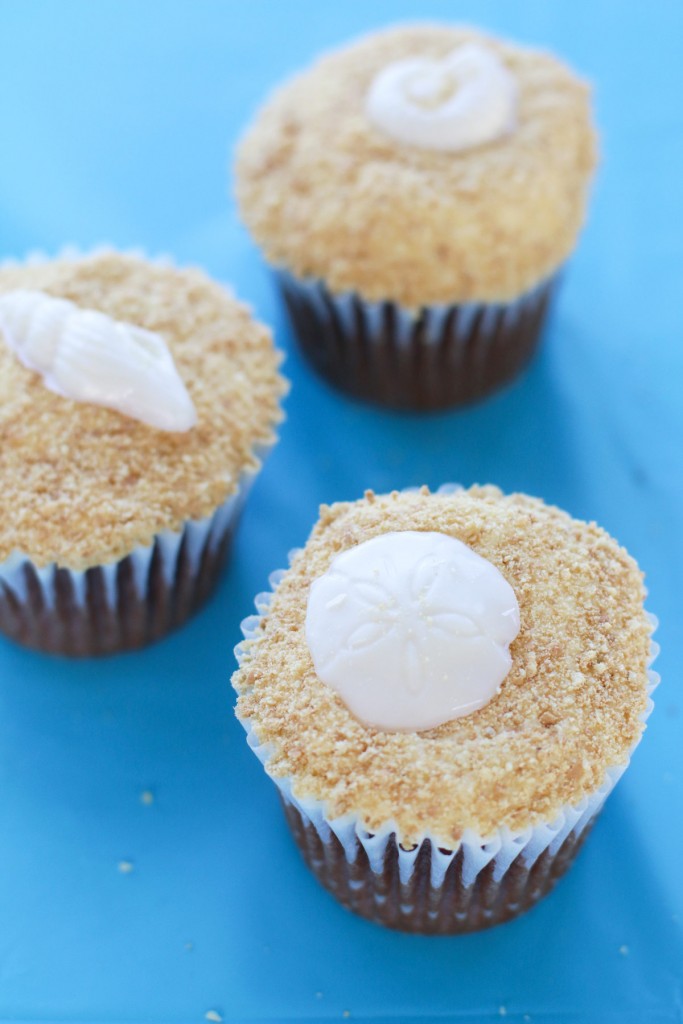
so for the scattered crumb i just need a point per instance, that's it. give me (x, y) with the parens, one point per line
(346, 1013)
(623, 950)
(502, 1010)
(213, 1015)
(147, 797)
(189, 946)
(125, 866)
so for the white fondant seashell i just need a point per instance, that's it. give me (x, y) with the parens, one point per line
(87, 356)
(466, 99)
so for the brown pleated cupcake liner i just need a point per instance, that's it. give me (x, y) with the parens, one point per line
(438, 357)
(428, 887)
(124, 605)
(417, 905)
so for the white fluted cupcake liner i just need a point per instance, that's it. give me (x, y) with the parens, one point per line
(432, 358)
(433, 886)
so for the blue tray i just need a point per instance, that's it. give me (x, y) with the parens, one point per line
(117, 119)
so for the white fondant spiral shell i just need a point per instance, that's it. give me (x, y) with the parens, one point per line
(468, 98)
(87, 356)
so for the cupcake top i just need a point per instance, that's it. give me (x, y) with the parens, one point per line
(569, 706)
(341, 178)
(84, 484)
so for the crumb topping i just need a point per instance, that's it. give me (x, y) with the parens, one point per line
(568, 710)
(328, 195)
(83, 485)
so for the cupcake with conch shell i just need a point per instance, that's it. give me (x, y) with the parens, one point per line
(445, 687)
(417, 193)
(136, 402)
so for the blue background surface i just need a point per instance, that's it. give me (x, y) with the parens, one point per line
(116, 123)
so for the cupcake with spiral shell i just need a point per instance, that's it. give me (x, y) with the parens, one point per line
(445, 688)
(136, 401)
(417, 193)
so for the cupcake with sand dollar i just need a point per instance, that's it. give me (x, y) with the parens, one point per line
(135, 402)
(444, 689)
(417, 193)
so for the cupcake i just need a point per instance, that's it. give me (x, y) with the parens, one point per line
(136, 401)
(445, 688)
(417, 194)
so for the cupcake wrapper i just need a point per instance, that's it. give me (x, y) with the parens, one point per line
(436, 357)
(130, 603)
(428, 888)
(123, 605)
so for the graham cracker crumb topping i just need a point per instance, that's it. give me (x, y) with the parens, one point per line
(328, 195)
(568, 710)
(83, 485)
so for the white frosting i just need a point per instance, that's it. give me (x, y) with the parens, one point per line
(85, 355)
(464, 100)
(412, 629)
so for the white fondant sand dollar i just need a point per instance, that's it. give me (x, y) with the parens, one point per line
(412, 629)
(464, 100)
(87, 356)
